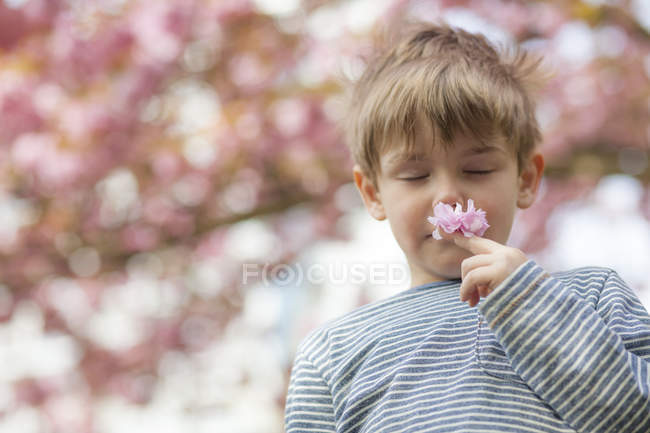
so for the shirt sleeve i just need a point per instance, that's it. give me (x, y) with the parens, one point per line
(589, 361)
(309, 406)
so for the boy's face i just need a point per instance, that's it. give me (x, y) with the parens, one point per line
(408, 189)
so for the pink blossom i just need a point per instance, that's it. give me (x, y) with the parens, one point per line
(446, 217)
(471, 222)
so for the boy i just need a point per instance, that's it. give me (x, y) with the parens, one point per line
(442, 117)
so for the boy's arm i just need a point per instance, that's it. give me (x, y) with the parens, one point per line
(591, 365)
(309, 406)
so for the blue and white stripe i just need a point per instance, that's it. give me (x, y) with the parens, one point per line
(543, 353)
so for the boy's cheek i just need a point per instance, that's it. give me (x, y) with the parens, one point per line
(500, 225)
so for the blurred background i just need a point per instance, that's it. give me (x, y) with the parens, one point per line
(176, 205)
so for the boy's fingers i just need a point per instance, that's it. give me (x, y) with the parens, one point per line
(471, 298)
(478, 277)
(474, 262)
(483, 290)
(475, 244)
(474, 298)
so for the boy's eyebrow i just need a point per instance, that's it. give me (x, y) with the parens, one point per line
(400, 157)
(483, 149)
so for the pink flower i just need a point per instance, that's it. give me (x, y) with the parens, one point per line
(446, 217)
(471, 222)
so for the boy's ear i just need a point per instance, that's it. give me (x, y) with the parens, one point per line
(369, 194)
(529, 179)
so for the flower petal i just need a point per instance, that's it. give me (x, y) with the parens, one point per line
(450, 219)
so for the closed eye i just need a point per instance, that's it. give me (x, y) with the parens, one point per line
(424, 176)
(479, 172)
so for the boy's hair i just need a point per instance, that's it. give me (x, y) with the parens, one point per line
(455, 79)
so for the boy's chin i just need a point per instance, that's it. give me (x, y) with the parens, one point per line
(442, 259)
(449, 265)
(444, 269)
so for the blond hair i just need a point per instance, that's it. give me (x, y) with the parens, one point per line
(457, 80)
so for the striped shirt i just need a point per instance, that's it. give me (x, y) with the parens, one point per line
(542, 353)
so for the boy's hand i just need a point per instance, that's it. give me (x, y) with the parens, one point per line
(487, 268)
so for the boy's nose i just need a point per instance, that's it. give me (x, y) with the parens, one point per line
(450, 201)
(448, 193)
